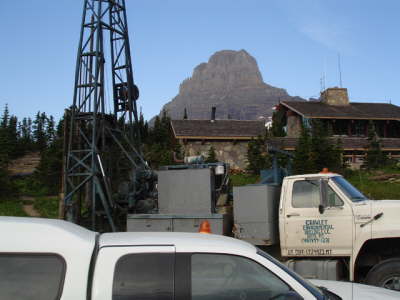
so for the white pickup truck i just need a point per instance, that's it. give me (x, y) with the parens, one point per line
(52, 259)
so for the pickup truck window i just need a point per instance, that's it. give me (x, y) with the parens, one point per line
(305, 194)
(229, 277)
(350, 191)
(333, 198)
(27, 276)
(144, 276)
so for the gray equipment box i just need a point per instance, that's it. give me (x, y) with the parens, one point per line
(220, 224)
(326, 269)
(185, 191)
(255, 210)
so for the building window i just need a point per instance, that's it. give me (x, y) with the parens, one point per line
(29, 276)
(144, 276)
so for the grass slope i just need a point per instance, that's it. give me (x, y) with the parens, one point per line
(11, 207)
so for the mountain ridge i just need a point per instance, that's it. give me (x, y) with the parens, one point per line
(232, 82)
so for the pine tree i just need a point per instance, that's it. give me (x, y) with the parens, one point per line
(211, 156)
(12, 136)
(50, 130)
(161, 143)
(374, 157)
(257, 156)
(278, 122)
(5, 117)
(39, 133)
(320, 147)
(301, 161)
(315, 151)
(49, 170)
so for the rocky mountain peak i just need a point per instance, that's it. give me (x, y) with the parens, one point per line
(224, 71)
(231, 81)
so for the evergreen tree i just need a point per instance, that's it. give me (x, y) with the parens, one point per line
(5, 117)
(257, 156)
(301, 159)
(143, 128)
(12, 136)
(5, 150)
(39, 133)
(338, 163)
(315, 151)
(49, 170)
(278, 122)
(50, 130)
(375, 157)
(161, 143)
(211, 156)
(320, 147)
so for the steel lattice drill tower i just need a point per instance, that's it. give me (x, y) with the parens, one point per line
(97, 135)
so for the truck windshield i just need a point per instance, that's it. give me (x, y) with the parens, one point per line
(351, 192)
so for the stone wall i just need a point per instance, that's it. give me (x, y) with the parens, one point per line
(293, 124)
(233, 153)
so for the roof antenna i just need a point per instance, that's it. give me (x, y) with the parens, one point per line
(323, 77)
(322, 82)
(340, 71)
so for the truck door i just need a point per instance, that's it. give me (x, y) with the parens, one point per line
(310, 233)
(139, 272)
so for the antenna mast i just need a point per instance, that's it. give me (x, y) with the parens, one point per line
(340, 71)
(102, 145)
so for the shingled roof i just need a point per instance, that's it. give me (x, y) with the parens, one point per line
(218, 129)
(355, 110)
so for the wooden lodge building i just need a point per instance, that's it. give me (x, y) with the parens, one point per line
(229, 138)
(346, 120)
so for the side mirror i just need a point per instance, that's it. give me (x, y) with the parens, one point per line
(323, 188)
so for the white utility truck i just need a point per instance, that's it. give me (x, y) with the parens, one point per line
(327, 229)
(319, 224)
(44, 259)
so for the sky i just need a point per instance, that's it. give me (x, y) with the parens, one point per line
(295, 42)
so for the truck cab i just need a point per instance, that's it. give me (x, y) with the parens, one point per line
(323, 217)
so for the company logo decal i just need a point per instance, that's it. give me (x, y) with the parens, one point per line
(317, 231)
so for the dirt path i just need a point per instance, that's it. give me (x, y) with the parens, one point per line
(28, 208)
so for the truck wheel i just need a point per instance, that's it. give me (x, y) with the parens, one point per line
(386, 274)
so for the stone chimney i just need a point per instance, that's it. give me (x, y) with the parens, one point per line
(213, 111)
(335, 96)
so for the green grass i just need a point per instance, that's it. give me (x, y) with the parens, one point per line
(375, 189)
(361, 179)
(11, 207)
(47, 206)
(243, 179)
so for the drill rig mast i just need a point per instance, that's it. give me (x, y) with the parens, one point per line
(103, 148)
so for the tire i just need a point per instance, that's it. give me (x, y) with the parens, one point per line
(386, 274)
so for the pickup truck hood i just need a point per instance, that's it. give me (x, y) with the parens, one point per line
(390, 208)
(368, 209)
(355, 291)
(388, 225)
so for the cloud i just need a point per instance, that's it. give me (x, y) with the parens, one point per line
(322, 23)
(332, 36)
